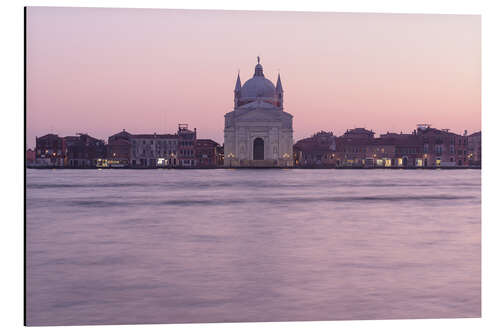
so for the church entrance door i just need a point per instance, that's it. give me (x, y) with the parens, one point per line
(258, 149)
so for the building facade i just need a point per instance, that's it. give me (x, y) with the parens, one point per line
(30, 157)
(206, 153)
(258, 132)
(426, 147)
(50, 151)
(153, 150)
(119, 150)
(83, 151)
(318, 150)
(442, 148)
(474, 149)
(186, 146)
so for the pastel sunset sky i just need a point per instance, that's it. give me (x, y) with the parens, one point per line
(99, 71)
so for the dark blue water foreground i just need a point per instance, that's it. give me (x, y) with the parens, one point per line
(169, 246)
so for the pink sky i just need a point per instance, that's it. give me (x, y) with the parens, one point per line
(99, 71)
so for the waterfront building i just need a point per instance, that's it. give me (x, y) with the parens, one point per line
(405, 149)
(206, 153)
(50, 151)
(442, 147)
(83, 151)
(474, 149)
(186, 146)
(258, 132)
(30, 157)
(317, 150)
(153, 150)
(358, 148)
(353, 147)
(142, 150)
(167, 146)
(118, 150)
(380, 153)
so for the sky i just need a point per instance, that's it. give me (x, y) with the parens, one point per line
(102, 70)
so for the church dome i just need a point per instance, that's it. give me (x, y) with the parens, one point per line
(257, 86)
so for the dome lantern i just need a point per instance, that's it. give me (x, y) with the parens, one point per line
(259, 70)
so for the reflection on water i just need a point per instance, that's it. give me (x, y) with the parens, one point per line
(169, 246)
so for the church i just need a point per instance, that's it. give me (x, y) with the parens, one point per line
(258, 133)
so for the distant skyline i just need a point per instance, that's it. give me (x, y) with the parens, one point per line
(101, 70)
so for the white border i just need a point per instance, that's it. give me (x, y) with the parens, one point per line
(11, 236)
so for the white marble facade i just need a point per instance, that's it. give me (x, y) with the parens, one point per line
(258, 133)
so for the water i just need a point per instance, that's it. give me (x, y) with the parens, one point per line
(171, 246)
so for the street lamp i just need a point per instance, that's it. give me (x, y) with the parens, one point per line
(231, 156)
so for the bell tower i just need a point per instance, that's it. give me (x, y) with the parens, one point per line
(237, 89)
(279, 93)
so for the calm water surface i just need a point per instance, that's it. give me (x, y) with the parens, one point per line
(169, 246)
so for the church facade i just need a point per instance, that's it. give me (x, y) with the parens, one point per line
(258, 132)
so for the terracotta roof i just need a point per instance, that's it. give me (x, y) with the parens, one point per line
(206, 141)
(476, 134)
(431, 130)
